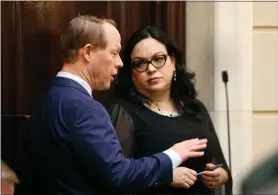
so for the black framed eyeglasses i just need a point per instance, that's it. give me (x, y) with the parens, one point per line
(157, 61)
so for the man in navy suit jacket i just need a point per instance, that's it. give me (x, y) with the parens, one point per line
(72, 145)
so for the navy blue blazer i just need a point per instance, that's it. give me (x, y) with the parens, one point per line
(73, 149)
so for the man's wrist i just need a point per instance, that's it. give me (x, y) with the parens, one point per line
(174, 156)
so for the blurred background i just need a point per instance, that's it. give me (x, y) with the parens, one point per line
(238, 37)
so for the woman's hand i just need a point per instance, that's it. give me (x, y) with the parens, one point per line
(215, 178)
(183, 177)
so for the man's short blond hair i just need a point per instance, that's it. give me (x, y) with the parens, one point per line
(82, 30)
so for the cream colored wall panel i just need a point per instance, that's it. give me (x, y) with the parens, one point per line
(265, 136)
(233, 51)
(199, 48)
(265, 13)
(265, 72)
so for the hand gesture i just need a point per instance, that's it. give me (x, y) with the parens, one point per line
(190, 148)
(183, 177)
(215, 178)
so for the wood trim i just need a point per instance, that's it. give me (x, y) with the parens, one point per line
(27, 116)
(109, 10)
(260, 28)
(265, 112)
(20, 72)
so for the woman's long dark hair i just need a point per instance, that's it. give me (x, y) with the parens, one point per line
(183, 90)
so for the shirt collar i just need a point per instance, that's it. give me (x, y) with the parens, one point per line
(79, 80)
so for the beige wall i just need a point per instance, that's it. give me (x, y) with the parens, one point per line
(200, 48)
(233, 51)
(242, 38)
(265, 79)
(219, 35)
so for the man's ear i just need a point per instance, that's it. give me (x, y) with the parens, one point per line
(88, 51)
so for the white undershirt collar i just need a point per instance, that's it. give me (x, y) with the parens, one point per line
(78, 79)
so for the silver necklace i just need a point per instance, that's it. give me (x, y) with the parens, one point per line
(165, 113)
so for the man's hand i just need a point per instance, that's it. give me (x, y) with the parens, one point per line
(183, 177)
(215, 178)
(190, 148)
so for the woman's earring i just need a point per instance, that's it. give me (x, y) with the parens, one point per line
(175, 75)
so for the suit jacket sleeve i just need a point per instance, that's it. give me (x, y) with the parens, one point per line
(96, 144)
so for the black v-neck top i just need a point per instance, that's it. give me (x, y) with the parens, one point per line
(143, 132)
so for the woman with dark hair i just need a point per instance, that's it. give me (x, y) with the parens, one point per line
(157, 107)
